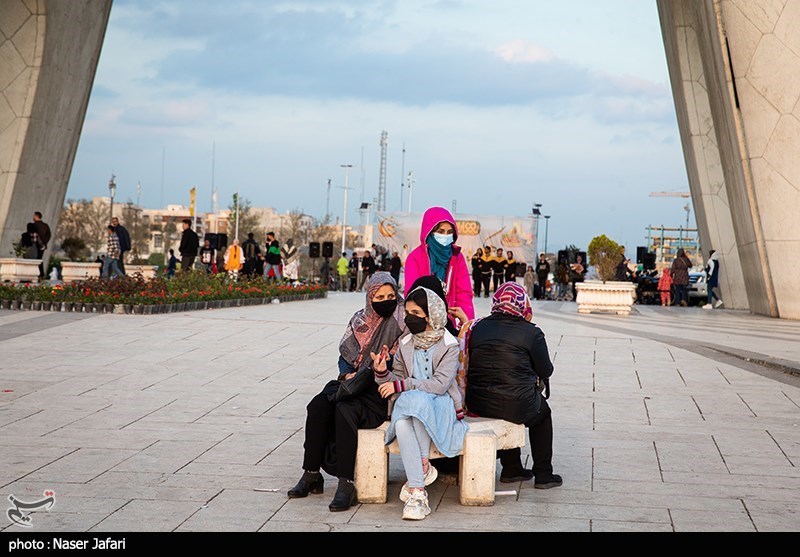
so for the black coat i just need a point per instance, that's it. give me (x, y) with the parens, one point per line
(190, 243)
(506, 356)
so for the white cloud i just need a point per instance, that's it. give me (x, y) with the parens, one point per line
(521, 51)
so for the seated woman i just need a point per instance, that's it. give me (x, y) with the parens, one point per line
(504, 367)
(331, 432)
(429, 406)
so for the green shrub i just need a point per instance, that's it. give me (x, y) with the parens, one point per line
(604, 255)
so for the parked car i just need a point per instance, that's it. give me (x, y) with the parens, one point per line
(698, 292)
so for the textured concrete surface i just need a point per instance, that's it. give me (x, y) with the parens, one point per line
(667, 420)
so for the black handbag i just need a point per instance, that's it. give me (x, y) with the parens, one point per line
(356, 385)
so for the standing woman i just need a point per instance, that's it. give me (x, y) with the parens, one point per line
(438, 255)
(477, 266)
(486, 270)
(511, 267)
(331, 432)
(498, 269)
(680, 277)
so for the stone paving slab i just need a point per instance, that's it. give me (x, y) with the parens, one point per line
(668, 420)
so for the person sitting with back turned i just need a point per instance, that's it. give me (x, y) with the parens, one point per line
(505, 371)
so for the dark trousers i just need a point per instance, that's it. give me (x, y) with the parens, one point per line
(486, 278)
(121, 262)
(681, 293)
(476, 284)
(187, 262)
(336, 424)
(40, 255)
(542, 286)
(540, 433)
(496, 278)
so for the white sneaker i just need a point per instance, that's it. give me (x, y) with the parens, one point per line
(430, 477)
(417, 507)
(718, 304)
(707, 306)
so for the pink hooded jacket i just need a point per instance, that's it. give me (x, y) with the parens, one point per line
(458, 283)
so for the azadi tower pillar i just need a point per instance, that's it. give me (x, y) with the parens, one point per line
(49, 51)
(735, 72)
(734, 67)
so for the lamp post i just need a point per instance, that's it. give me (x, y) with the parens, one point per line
(347, 168)
(546, 226)
(112, 189)
(536, 214)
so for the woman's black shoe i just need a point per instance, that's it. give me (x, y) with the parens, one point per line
(345, 496)
(309, 483)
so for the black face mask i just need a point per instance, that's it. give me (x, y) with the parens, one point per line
(385, 308)
(416, 324)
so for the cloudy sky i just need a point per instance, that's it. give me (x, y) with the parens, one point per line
(499, 105)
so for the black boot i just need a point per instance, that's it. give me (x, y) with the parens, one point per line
(311, 482)
(345, 496)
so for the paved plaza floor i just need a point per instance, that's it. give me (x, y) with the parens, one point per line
(667, 420)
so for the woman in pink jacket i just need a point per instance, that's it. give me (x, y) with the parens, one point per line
(438, 255)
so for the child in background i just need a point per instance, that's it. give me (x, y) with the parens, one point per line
(665, 287)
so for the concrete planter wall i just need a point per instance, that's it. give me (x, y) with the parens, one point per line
(595, 296)
(19, 270)
(72, 271)
(147, 271)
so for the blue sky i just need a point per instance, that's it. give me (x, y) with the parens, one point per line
(499, 105)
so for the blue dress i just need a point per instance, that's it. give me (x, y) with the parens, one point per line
(436, 412)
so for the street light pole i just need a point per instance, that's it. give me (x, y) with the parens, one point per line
(347, 168)
(546, 226)
(536, 214)
(112, 189)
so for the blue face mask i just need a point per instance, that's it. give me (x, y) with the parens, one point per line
(443, 239)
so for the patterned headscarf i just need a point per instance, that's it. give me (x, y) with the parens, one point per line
(437, 317)
(511, 298)
(368, 331)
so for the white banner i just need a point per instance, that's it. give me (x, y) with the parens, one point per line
(515, 234)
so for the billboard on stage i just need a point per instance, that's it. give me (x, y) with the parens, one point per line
(515, 234)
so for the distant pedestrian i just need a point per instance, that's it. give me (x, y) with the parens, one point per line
(530, 282)
(190, 245)
(124, 242)
(172, 264)
(578, 272)
(31, 242)
(207, 257)
(665, 287)
(43, 230)
(498, 269)
(511, 267)
(251, 253)
(542, 272)
(368, 268)
(291, 261)
(712, 280)
(111, 263)
(477, 264)
(487, 263)
(325, 272)
(562, 279)
(394, 266)
(342, 267)
(234, 259)
(680, 277)
(272, 258)
(353, 272)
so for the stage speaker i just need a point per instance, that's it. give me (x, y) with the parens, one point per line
(218, 241)
(327, 249)
(313, 250)
(649, 261)
(641, 251)
(563, 255)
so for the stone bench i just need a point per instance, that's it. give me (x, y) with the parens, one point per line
(477, 469)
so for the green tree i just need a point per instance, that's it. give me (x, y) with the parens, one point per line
(248, 220)
(85, 220)
(604, 255)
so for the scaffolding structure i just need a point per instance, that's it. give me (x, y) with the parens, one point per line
(665, 243)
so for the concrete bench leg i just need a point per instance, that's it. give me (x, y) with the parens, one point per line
(478, 468)
(372, 466)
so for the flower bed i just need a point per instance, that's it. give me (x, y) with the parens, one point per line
(136, 295)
